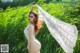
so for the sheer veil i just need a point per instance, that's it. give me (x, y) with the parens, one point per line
(64, 33)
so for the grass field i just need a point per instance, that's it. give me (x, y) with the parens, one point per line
(14, 20)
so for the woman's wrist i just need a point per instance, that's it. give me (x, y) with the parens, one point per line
(32, 7)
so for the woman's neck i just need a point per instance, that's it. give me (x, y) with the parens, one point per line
(32, 24)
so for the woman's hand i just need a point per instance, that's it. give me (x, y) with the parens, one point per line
(33, 6)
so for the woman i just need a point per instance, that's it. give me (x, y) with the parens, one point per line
(31, 30)
(66, 36)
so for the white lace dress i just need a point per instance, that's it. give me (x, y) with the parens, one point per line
(35, 45)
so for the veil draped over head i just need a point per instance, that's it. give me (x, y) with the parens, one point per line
(65, 34)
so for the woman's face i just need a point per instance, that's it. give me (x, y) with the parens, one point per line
(31, 18)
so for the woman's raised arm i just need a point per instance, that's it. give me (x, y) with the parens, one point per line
(33, 6)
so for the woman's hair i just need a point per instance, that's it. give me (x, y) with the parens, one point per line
(37, 22)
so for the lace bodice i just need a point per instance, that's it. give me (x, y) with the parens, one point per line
(26, 32)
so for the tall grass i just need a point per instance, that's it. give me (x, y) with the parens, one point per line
(14, 20)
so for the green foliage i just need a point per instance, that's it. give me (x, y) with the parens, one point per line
(14, 20)
(67, 13)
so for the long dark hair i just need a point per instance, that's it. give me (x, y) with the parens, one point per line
(37, 22)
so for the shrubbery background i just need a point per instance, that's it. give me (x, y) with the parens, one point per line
(13, 21)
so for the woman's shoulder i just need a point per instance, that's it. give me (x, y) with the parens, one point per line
(26, 27)
(29, 26)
